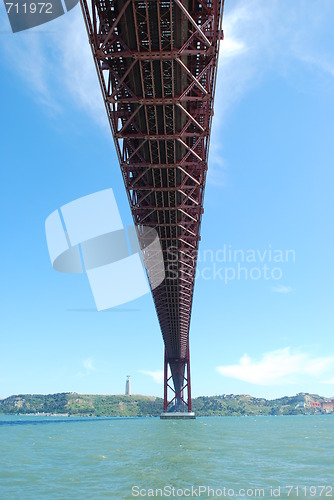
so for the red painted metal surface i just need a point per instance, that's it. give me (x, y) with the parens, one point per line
(156, 61)
(181, 398)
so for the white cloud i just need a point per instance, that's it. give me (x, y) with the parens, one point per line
(34, 72)
(282, 289)
(218, 167)
(78, 71)
(323, 63)
(241, 66)
(88, 365)
(88, 368)
(329, 381)
(278, 367)
(232, 47)
(158, 375)
(58, 65)
(256, 37)
(257, 41)
(244, 52)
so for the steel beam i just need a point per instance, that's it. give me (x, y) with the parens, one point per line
(157, 64)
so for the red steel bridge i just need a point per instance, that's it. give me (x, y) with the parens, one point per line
(156, 62)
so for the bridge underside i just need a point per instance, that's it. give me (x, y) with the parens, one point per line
(156, 61)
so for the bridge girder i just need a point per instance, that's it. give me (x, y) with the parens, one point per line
(156, 62)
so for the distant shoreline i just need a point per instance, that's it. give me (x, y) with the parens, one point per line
(97, 405)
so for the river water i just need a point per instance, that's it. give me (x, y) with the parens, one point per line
(214, 457)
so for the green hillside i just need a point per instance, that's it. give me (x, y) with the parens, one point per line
(134, 406)
(82, 404)
(239, 405)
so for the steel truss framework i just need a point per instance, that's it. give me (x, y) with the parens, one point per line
(156, 61)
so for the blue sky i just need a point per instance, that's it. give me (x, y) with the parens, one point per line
(270, 189)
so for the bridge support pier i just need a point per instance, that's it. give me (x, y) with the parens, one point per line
(179, 406)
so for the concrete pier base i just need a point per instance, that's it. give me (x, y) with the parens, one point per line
(181, 415)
